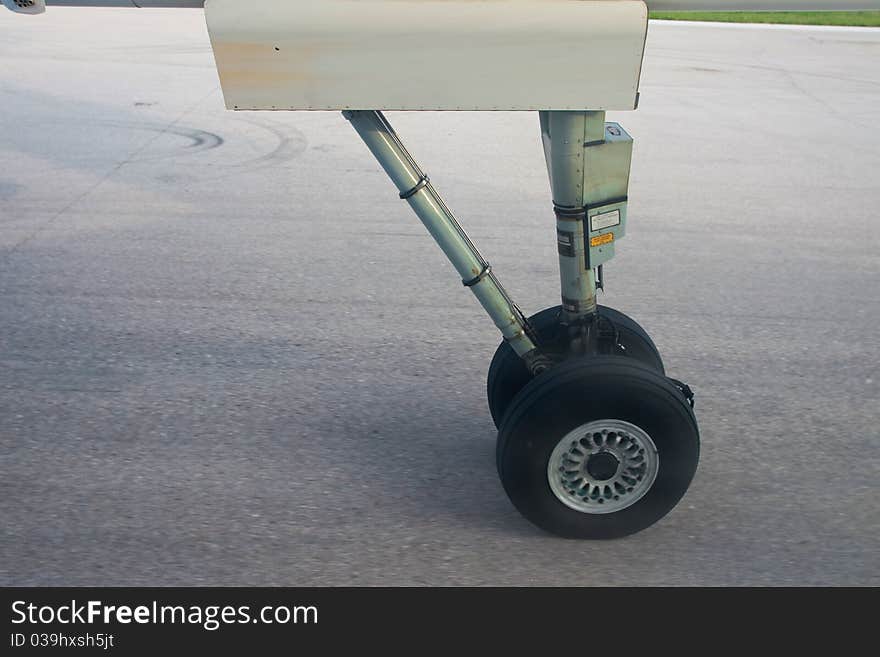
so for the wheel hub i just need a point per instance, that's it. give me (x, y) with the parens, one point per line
(603, 466)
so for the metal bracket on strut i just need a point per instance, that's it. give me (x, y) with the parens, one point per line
(570, 214)
(537, 362)
(487, 269)
(423, 182)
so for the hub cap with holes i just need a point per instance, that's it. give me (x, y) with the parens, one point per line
(603, 466)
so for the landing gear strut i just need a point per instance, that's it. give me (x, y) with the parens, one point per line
(594, 441)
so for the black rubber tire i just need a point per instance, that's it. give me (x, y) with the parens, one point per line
(583, 390)
(508, 374)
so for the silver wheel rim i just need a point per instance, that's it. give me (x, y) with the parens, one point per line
(603, 466)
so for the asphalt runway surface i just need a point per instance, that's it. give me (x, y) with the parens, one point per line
(229, 355)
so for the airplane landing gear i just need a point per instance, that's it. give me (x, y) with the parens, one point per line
(594, 440)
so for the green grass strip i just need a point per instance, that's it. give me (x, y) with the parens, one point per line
(853, 18)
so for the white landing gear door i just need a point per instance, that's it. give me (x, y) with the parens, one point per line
(428, 54)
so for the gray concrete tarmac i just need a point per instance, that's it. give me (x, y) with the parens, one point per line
(230, 355)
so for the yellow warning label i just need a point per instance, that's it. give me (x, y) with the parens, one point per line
(607, 238)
